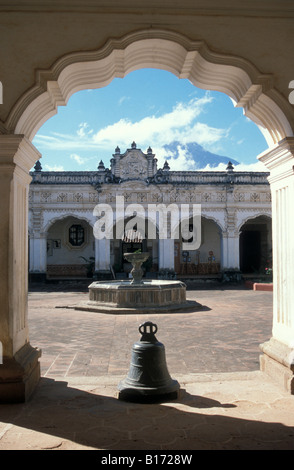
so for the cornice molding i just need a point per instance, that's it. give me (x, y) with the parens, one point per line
(250, 8)
(279, 160)
(17, 151)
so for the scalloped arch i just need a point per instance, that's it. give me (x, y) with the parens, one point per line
(252, 217)
(65, 215)
(192, 60)
(217, 222)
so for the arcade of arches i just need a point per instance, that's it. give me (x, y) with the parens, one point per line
(86, 47)
(235, 220)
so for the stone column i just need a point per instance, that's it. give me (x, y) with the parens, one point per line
(278, 353)
(20, 370)
(102, 259)
(230, 237)
(230, 258)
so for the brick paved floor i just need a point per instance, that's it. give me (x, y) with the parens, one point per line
(223, 337)
(225, 402)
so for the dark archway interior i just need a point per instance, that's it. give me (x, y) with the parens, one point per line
(256, 246)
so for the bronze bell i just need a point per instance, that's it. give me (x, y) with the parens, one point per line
(148, 379)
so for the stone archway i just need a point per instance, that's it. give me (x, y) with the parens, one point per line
(205, 261)
(41, 242)
(193, 60)
(129, 238)
(70, 249)
(256, 245)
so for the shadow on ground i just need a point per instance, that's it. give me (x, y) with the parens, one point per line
(62, 417)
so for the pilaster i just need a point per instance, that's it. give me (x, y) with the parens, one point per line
(20, 369)
(279, 351)
(38, 257)
(230, 238)
(102, 258)
(230, 258)
(166, 253)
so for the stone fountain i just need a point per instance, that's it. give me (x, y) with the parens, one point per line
(137, 295)
(137, 259)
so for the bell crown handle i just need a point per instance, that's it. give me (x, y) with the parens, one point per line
(148, 330)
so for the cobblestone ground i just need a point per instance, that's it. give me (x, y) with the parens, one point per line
(224, 336)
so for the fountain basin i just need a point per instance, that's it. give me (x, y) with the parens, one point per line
(152, 296)
(137, 295)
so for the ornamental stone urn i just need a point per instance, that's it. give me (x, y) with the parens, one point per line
(136, 259)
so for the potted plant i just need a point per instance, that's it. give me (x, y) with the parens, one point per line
(90, 265)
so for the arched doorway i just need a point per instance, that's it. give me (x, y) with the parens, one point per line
(70, 249)
(256, 245)
(187, 59)
(206, 260)
(134, 237)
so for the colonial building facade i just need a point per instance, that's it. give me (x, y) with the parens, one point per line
(235, 224)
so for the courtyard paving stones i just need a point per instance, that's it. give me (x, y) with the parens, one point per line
(225, 402)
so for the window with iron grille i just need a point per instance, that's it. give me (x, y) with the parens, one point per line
(76, 235)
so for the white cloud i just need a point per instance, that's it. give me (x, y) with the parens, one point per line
(81, 130)
(179, 124)
(84, 130)
(53, 167)
(183, 160)
(258, 166)
(122, 100)
(79, 160)
(57, 141)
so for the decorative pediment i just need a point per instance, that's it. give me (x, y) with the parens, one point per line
(133, 164)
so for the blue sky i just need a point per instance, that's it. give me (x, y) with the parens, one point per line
(152, 108)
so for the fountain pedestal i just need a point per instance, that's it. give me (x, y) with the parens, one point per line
(137, 259)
